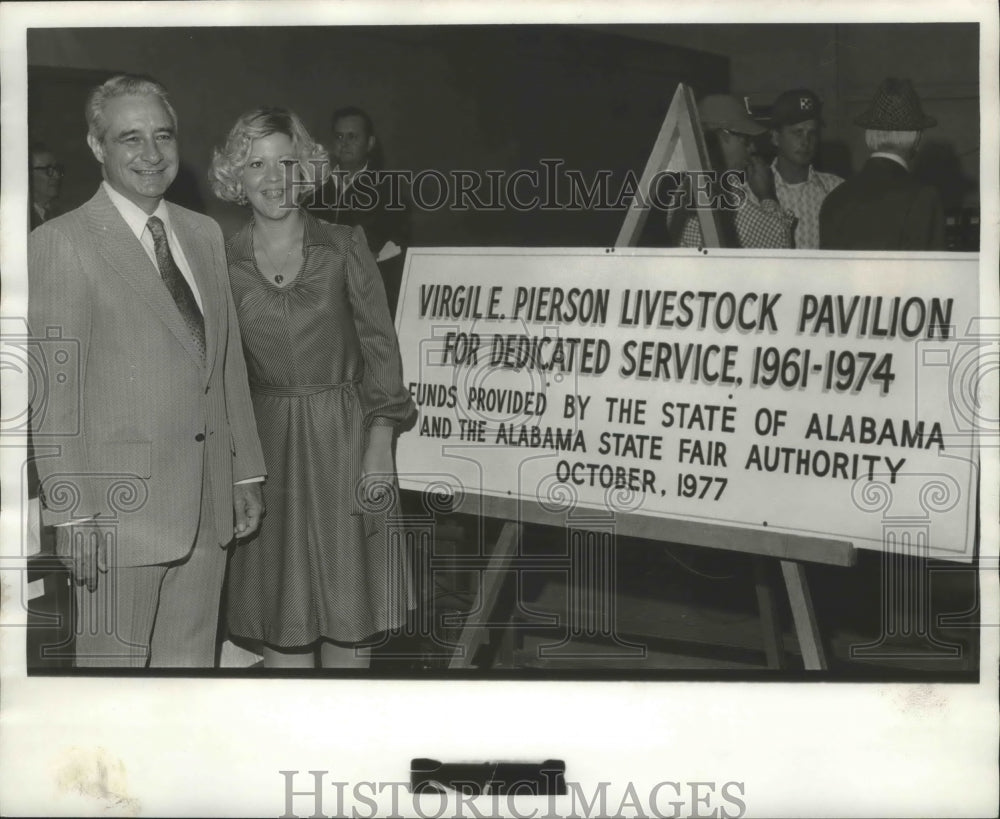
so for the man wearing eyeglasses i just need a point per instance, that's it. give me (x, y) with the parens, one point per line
(749, 213)
(46, 180)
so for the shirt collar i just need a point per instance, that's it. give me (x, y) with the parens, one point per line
(134, 216)
(780, 180)
(241, 246)
(344, 177)
(885, 155)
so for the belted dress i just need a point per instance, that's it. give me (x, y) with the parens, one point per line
(324, 365)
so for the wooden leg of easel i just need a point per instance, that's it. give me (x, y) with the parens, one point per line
(803, 614)
(770, 624)
(475, 632)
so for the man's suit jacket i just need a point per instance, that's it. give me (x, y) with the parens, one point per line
(141, 422)
(882, 207)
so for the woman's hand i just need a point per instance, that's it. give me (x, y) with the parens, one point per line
(377, 470)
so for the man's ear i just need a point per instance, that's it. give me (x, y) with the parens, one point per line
(96, 148)
(774, 138)
(371, 144)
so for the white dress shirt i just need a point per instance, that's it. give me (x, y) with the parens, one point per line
(340, 177)
(894, 157)
(136, 218)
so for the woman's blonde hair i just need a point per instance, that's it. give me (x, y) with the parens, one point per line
(228, 162)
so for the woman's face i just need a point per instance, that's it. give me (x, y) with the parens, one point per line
(269, 175)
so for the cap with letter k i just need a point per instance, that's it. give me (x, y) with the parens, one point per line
(795, 106)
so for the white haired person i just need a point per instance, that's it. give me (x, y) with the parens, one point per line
(321, 580)
(883, 207)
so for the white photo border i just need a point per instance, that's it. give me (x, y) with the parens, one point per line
(203, 746)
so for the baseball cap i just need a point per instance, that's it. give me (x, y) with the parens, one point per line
(724, 111)
(795, 106)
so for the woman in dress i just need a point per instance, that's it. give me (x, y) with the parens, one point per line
(321, 579)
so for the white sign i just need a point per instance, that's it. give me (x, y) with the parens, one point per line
(798, 394)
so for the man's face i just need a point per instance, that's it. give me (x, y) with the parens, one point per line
(351, 143)
(797, 143)
(139, 149)
(46, 177)
(736, 149)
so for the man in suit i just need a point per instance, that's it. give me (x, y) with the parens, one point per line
(356, 193)
(883, 207)
(147, 447)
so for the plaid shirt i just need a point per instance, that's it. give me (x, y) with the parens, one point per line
(760, 225)
(804, 199)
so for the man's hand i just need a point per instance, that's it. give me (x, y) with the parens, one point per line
(248, 504)
(760, 179)
(84, 551)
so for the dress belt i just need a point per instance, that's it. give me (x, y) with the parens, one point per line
(298, 390)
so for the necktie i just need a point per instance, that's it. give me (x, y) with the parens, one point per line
(177, 284)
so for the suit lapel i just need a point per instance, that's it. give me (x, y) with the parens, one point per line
(127, 258)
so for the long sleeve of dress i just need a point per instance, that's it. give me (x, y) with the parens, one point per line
(382, 393)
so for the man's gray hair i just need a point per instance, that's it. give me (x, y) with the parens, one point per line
(121, 85)
(901, 143)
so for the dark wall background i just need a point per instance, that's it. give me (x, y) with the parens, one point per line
(844, 65)
(442, 97)
(504, 97)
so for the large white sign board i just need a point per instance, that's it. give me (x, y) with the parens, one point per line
(808, 395)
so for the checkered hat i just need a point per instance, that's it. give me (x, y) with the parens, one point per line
(896, 107)
(793, 107)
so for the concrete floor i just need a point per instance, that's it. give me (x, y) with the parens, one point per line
(667, 609)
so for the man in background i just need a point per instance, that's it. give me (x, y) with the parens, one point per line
(801, 189)
(356, 194)
(45, 182)
(760, 221)
(883, 207)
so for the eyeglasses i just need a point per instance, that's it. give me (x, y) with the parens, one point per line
(746, 138)
(50, 170)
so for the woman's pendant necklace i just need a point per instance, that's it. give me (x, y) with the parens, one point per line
(279, 272)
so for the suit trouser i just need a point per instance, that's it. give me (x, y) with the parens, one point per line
(163, 615)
